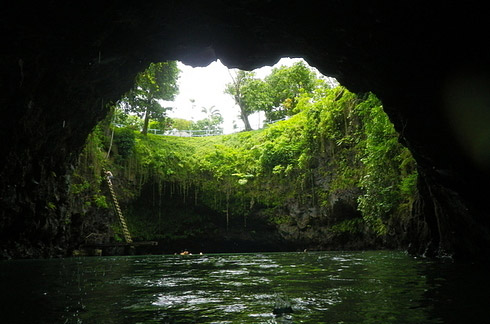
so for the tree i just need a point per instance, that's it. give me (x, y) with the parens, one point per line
(286, 84)
(211, 123)
(122, 119)
(250, 94)
(157, 82)
(277, 95)
(161, 124)
(181, 124)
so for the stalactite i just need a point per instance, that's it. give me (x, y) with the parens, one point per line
(312, 188)
(141, 181)
(227, 209)
(160, 206)
(250, 208)
(153, 194)
(183, 191)
(195, 195)
(244, 214)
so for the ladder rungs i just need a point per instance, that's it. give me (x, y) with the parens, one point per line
(122, 220)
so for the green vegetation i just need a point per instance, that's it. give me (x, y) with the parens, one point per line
(337, 144)
(277, 95)
(336, 153)
(212, 122)
(286, 85)
(157, 82)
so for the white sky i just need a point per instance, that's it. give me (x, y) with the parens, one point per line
(206, 85)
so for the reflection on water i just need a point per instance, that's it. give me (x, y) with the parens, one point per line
(323, 287)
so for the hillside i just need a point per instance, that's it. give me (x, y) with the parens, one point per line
(332, 176)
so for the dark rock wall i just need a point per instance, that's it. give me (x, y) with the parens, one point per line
(63, 62)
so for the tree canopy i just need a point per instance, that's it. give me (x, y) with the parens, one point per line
(277, 95)
(248, 93)
(212, 122)
(157, 82)
(286, 84)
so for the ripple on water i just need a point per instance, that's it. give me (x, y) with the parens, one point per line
(189, 300)
(229, 273)
(268, 266)
(169, 281)
(236, 308)
(385, 287)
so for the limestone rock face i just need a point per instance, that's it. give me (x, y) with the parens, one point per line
(63, 62)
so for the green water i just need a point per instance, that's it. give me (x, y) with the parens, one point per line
(323, 287)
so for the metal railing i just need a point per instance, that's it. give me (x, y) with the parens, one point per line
(194, 132)
(186, 133)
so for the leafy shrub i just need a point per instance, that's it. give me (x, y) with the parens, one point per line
(124, 139)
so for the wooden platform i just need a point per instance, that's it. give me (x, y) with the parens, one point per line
(118, 244)
(101, 249)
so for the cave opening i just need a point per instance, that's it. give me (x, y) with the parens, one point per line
(65, 62)
(203, 87)
(350, 143)
(60, 72)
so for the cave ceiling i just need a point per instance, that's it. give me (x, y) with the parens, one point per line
(62, 62)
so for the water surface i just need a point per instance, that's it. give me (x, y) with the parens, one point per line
(321, 287)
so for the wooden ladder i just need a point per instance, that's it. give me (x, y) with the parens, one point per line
(122, 220)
